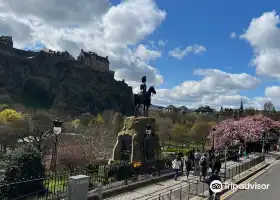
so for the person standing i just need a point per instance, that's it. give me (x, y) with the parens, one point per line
(211, 158)
(204, 164)
(192, 157)
(197, 157)
(216, 165)
(188, 165)
(176, 165)
(181, 155)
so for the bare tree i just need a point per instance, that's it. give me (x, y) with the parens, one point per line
(268, 106)
(90, 145)
(164, 128)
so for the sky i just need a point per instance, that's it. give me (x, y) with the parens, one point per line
(195, 53)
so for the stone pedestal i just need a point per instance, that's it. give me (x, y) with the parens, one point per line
(133, 144)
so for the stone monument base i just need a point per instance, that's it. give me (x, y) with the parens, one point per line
(133, 144)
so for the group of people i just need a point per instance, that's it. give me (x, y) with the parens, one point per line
(197, 161)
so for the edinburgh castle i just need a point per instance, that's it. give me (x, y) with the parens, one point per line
(90, 59)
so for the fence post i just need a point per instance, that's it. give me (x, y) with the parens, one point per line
(78, 187)
(181, 192)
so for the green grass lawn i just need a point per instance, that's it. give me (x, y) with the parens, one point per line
(56, 184)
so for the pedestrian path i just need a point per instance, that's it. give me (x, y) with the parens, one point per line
(164, 186)
(270, 158)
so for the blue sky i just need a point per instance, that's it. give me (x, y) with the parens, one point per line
(209, 23)
(129, 32)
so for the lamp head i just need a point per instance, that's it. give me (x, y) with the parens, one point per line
(57, 124)
(148, 129)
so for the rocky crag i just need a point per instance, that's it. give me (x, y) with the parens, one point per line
(57, 80)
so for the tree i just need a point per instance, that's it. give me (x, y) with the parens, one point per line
(91, 144)
(200, 132)
(173, 113)
(117, 122)
(164, 128)
(99, 119)
(247, 129)
(180, 132)
(25, 163)
(268, 106)
(71, 153)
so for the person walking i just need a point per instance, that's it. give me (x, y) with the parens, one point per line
(176, 165)
(181, 155)
(216, 165)
(192, 157)
(211, 158)
(188, 165)
(240, 151)
(213, 177)
(204, 164)
(197, 157)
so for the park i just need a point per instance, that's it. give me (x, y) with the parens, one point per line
(39, 154)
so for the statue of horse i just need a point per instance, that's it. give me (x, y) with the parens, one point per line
(145, 100)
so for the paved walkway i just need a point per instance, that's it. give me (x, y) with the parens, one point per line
(269, 159)
(151, 191)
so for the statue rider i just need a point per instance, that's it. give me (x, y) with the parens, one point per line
(143, 87)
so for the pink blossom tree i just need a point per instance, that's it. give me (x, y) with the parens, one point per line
(247, 129)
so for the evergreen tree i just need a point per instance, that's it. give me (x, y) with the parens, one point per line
(24, 168)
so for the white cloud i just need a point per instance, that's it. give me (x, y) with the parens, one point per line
(162, 43)
(92, 25)
(145, 54)
(115, 30)
(272, 93)
(233, 35)
(216, 89)
(263, 34)
(180, 52)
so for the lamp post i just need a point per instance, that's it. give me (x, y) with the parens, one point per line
(263, 141)
(148, 135)
(57, 127)
(213, 138)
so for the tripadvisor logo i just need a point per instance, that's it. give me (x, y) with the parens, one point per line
(217, 186)
(246, 186)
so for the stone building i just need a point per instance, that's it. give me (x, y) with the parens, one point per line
(95, 61)
(64, 54)
(6, 40)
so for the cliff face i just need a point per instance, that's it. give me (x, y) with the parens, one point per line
(53, 81)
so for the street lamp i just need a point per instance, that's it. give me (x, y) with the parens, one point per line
(213, 129)
(148, 135)
(57, 127)
(263, 141)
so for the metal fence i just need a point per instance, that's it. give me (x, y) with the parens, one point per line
(54, 186)
(195, 188)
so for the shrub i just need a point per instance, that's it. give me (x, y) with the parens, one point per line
(25, 167)
(9, 115)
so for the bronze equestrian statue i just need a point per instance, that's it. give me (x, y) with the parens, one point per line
(144, 97)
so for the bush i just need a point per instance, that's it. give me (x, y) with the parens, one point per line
(25, 167)
(185, 151)
(9, 115)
